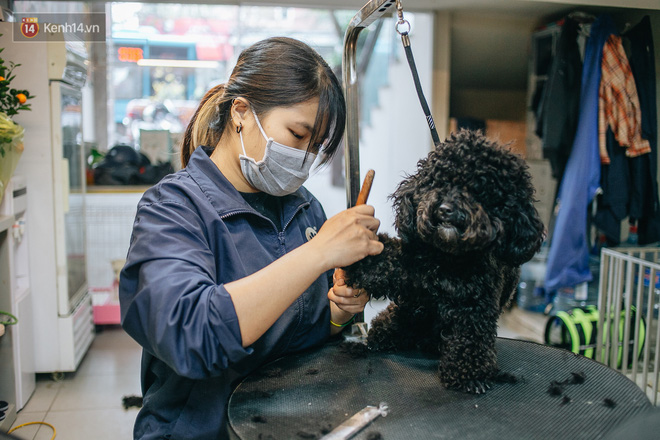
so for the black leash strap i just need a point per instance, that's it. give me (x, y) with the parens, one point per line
(413, 69)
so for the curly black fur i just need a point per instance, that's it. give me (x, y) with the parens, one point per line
(555, 389)
(355, 350)
(466, 222)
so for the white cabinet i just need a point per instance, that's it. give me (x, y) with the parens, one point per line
(7, 377)
(14, 205)
(53, 166)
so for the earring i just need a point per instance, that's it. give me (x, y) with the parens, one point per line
(239, 128)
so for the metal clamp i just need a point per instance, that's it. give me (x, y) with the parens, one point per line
(401, 20)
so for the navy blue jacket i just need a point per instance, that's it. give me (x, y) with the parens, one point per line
(193, 233)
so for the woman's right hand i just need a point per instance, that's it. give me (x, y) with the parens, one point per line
(348, 237)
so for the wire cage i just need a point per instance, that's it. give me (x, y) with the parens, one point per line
(109, 222)
(629, 301)
(109, 231)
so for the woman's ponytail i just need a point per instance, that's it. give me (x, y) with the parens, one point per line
(205, 126)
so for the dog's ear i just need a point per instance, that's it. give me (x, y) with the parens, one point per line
(523, 236)
(405, 208)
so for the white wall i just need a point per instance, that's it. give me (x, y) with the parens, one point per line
(398, 135)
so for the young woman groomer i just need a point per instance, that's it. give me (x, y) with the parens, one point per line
(231, 260)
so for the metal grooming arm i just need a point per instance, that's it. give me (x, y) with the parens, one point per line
(365, 16)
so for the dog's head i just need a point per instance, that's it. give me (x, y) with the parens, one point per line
(470, 194)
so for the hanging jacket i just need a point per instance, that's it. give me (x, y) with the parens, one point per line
(568, 257)
(193, 233)
(560, 103)
(618, 103)
(614, 202)
(644, 205)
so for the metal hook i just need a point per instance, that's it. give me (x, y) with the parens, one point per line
(399, 10)
(401, 21)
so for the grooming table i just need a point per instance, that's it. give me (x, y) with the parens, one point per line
(304, 396)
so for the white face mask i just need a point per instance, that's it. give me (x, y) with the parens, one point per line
(282, 170)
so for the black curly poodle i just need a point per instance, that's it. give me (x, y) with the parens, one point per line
(466, 222)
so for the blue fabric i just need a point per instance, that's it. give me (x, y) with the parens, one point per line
(568, 258)
(193, 233)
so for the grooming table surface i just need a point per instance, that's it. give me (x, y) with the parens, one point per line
(305, 395)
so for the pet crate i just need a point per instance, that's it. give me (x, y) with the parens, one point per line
(629, 302)
(109, 221)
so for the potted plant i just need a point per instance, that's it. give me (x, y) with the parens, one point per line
(12, 101)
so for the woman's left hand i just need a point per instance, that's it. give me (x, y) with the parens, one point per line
(349, 300)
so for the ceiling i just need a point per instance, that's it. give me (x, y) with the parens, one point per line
(515, 7)
(489, 38)
(529, 8)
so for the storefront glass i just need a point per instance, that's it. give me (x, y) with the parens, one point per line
(159, 59)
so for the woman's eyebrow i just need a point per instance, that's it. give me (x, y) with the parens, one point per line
(304, 125)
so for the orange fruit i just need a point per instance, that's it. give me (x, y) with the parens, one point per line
(21, 98)
(2, 78)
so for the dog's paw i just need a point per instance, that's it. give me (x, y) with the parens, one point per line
(472, 386)
(477, 386)
(379, 344)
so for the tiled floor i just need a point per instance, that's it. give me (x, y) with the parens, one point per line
(87, 404)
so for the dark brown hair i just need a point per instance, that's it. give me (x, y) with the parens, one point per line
(276, 72)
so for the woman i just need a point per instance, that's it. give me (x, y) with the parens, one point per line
(230, 259)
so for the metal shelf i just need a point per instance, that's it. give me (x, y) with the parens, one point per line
(5, 222)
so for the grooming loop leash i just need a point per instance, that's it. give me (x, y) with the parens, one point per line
(403, 28)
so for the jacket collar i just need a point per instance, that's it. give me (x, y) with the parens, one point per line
(222, 195)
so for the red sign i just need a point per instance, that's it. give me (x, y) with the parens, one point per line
(29, 27)
(130, 54)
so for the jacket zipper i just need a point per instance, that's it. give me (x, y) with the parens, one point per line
(279, 234)
(280, 237)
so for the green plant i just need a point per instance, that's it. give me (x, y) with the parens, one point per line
(11, 100)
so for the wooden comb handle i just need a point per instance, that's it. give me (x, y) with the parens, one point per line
(366, 188)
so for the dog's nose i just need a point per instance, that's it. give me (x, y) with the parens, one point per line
(446, 210)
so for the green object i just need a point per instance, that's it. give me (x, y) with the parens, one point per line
(576, 330)
(95, 156)
(12, 319)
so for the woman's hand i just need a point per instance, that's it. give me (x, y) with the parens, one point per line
(345, 302)
(349, 300)
(348, 237)
(344, 239)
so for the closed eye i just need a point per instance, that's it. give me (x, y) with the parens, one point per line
(296, 135)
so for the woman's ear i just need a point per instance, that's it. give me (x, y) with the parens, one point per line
(240, 109)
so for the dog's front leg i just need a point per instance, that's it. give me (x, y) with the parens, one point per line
(380, 275)
(468, 360)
